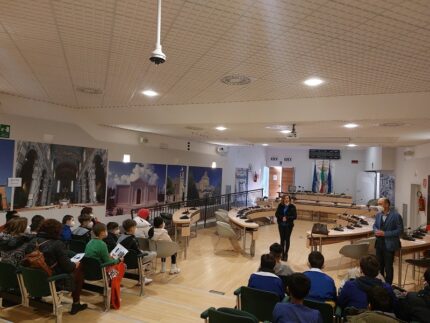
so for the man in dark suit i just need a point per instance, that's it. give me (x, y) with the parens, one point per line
(388, 227)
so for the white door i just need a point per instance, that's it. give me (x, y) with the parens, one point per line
(365, 187)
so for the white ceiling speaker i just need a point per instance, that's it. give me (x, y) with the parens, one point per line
(158, 57)
(221, 150)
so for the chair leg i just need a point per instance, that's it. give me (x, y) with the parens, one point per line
(141, 276)
(406, 274)
(57, 308)
(106, 291)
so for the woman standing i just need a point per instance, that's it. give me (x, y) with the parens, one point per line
(285, 214)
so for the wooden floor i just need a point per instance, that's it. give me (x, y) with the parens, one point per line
(181, 298)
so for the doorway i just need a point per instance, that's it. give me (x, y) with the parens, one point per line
(280, 179)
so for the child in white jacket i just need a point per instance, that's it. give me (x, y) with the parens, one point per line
(159, 233)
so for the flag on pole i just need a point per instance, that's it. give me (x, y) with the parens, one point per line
(315, 180)
(329, 180)
(323, 179)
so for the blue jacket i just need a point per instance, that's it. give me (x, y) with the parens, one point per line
(66, 233)
(393, 228)
(295, 313)
(354, 292)
(268, 282)
(322, 286)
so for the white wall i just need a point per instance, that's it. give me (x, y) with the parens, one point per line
(344, 173)
(411, 171)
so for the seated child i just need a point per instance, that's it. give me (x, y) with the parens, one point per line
(66, 232)
(128, 240)
(280, 268)
(143, 226)
(159, 233)
(294, 311)
(83, 232)
(97, 248)
(265, 278)
(112, 236)
(322, 285)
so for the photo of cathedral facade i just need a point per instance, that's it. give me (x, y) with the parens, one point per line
(57, 174)
(204, 182)
(176, 181)
(133, 186)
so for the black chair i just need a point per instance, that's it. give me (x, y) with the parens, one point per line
(9, 285)
(227, 315)
(134, 261)
(327, 312)
(37, 284)
(420, 263)
(257, 302)
(96, 271)
(77, 246)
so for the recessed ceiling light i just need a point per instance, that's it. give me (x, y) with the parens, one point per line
(351, 145)
(314, 81)
(221, 128)
(265, 145)
(286, 131)
(149, 93)
(350, 125)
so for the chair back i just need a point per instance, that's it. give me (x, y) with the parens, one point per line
(144, 244)
(371, 241)
(8, 279)
(230, 315)
(91, 268)
(355, 251)
(221, 216)
(77, 246)
(325, 309)
(258, 302)
(225, 230)
(130, 259)
(165, 248)
(35, 281)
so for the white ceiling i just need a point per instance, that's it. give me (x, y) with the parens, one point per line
(359, 47)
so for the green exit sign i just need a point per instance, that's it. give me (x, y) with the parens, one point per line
(4, 131)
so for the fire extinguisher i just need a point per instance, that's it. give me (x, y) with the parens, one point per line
(255, 177)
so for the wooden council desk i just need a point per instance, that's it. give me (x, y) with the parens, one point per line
(408, 247)
(246, 226)
(411, 247)
(316, 241)
(184, 225)
(323, 207)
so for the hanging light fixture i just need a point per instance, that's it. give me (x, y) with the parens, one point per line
(158, 57)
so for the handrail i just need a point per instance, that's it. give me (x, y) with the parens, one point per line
(208, 205)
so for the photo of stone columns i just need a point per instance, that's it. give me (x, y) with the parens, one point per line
(57, 175)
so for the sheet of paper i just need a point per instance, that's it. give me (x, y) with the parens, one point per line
(118, 252)
(78, 257)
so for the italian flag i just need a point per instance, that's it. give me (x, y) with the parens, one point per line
(322, 179)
